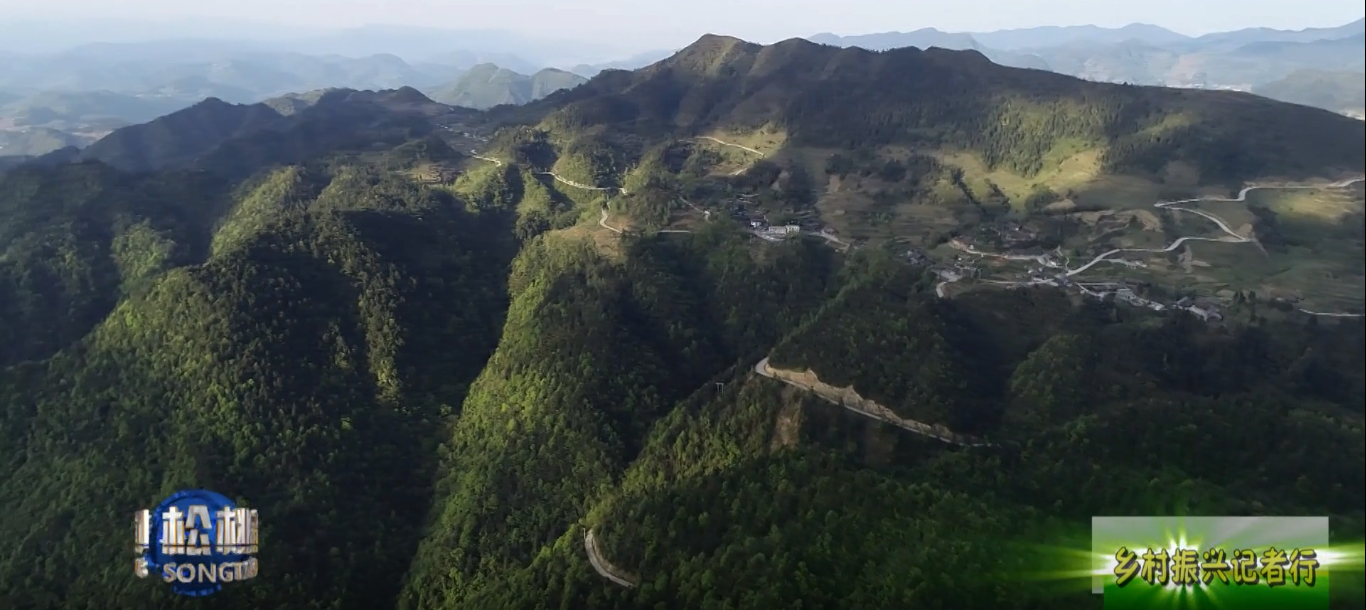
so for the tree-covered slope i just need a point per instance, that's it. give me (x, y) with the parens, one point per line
(1024, 121)
(759, 496)
(304, 366)
(325, 350)
(238, 140)
(76, 239)
(486, 85)
(181, 135)
(592, 355)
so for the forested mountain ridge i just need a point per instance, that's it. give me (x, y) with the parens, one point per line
(486, 85)
(433, 387)
(292, 340)
(740, 492)
(302, 127)
(805, 95)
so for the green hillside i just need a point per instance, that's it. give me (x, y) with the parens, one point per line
(237, 140)
(303, 350)
(486, 85)
(798, 95)
(450, 382)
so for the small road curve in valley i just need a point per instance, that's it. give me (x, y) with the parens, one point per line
(834, 240)
(1233, 236)
(602, 566)
(483, 158)
(603, 223)
(911, 425)
(563, 180)
(557, 177)
(725, 143)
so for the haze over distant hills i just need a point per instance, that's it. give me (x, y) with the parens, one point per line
(409, 42)
(138, 89)
(1338, 91)
(57, 92)
(1147, 54)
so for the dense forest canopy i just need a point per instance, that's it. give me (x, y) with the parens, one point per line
(438, 393)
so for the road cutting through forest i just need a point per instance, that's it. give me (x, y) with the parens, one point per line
(603, 567)
(875, 411)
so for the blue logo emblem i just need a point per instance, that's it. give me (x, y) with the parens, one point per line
(196, 540)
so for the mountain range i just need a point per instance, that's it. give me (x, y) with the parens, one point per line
(1148, 55)
(76, 94)
(798, 93)
(1343, 92)
(32, 125)
(538, 357)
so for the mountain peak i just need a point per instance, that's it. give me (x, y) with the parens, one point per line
(409, 95)
(795, 44)
(713, 45)
(712, 40)
(709, 54)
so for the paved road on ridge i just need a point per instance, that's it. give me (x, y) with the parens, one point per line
(557, 177)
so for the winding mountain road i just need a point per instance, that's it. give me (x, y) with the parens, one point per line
(602, 222)
(563, 180)
(725, 143)
(483, 158)
(601, 565)
(557, 177)
(1233, 236)
(939, 289)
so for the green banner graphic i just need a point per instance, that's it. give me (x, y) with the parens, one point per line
(1234, 563)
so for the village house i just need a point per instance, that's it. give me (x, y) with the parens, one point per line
(916, 257)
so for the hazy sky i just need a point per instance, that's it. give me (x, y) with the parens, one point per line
(657, 23)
